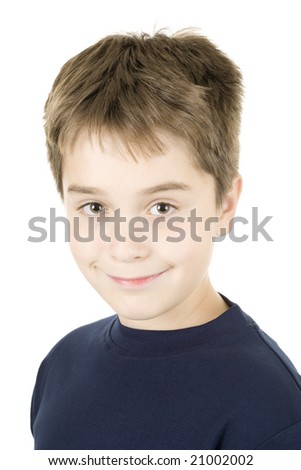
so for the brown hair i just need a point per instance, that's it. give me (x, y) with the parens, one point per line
(135, 85)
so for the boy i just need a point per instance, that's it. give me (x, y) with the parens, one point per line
(142, 136)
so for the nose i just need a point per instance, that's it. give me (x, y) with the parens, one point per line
(127, 251)
(127, 241)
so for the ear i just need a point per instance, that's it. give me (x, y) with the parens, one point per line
(228, 208)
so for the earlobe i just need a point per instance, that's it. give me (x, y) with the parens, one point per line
(229, 205)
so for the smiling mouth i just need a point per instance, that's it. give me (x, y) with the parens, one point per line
(136, 281)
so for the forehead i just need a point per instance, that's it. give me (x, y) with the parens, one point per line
(108, 163)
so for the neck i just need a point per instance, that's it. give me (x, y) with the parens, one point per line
(202, 306)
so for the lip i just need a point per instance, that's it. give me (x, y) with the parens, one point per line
(136, 281)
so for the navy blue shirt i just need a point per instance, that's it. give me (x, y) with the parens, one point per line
(221, 385)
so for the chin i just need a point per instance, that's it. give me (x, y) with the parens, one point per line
(136, 316)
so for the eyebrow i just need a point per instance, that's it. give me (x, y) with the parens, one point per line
(168, 186)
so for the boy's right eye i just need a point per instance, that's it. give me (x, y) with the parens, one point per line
(92, 208)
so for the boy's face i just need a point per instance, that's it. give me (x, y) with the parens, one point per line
(159, 282)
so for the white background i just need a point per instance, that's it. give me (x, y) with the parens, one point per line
(44, 296)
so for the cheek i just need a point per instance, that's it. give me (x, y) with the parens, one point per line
(78, 253)
(188, 251)
(84, 238)
(83, 251)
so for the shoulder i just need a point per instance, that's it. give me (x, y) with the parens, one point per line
(286, 439)
(69, 358)
(77, 344)
(74, 348)
(265, 358)
(86, 334)
(264, 389)
(262, 368)
(247, 346)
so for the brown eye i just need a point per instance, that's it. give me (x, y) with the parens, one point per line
(93, 208)
(161, 208)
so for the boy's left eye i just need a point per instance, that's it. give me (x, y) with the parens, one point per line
(161, 208)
